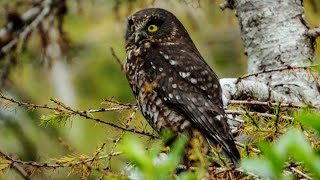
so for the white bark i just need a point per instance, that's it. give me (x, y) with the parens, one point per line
(275, 35)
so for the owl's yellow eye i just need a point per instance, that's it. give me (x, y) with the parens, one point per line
(132, 28)
(153, 28)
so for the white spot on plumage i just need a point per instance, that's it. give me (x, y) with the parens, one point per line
(193, 99)
(147, 45)
(155, 116)
(153, 97)
(144, 107)
(129, 54)
(218, 117)
(173, 62)
(184, 74)
(154, 108)
(174, 86)
(171, 116)
(170, 95)
(166, 112)
(184, 125)
(136, 51)
(170, 79)
(158, 101)
(215, 86)
(206, 104)
(193, 81)
(166, 56)
(161, 69)
(178, 97)
(204, 72)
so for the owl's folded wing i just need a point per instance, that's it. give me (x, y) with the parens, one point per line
(189, 86)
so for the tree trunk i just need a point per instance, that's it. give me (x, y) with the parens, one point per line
(279, 49)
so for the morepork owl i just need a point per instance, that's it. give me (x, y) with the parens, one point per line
(173, 85)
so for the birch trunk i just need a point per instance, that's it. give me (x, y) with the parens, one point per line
(278, 46)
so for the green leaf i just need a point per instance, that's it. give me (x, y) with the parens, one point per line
(135, 151)
(309, 118)
(188, 176)
(258, 166)
(276, 160)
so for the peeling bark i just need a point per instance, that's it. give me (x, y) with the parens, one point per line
(275, 34)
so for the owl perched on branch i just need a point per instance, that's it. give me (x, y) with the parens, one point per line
(173, 85)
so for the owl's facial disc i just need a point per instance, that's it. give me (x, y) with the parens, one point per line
(138, 32)
(143, 29)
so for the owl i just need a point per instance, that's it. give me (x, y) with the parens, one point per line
(174, 87)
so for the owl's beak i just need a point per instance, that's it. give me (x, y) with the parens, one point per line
(139, 35)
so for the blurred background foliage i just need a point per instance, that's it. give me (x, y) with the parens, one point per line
(89, 73)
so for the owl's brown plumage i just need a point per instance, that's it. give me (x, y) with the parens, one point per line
(174, 87)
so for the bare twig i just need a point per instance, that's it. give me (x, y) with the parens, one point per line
(116, 58)
(314, 32)
(101, 121)
(29, 105)
(242, 112)
(119, 103)
(271, 104)
(120, 108)
(56, 165)
(46, 8)
(16, 166)
(107, 167)
(276, 69)
(227, 4)
(64, 108)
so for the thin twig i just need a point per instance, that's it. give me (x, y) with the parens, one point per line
(112, 101)
(314, 32)
(46, 165)
(275, 69)
(116, 58)
(69, 110)
(108, 165)
(271, 104)
(28, 29)
(227, 4)
(120, 108)
(242, 112)
(101, 121)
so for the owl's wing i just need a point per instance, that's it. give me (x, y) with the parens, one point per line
(192, 88)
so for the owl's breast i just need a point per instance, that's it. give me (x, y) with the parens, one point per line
(151, 105)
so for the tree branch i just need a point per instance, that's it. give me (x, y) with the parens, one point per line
(271, 104)
(64, 108)
(315, 33)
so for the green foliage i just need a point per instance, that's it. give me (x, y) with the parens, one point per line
(4, 163)
(309, 118)
(292, 145)
(56, 118)
(150, 165)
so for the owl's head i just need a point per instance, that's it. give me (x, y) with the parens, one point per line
(154, 25)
